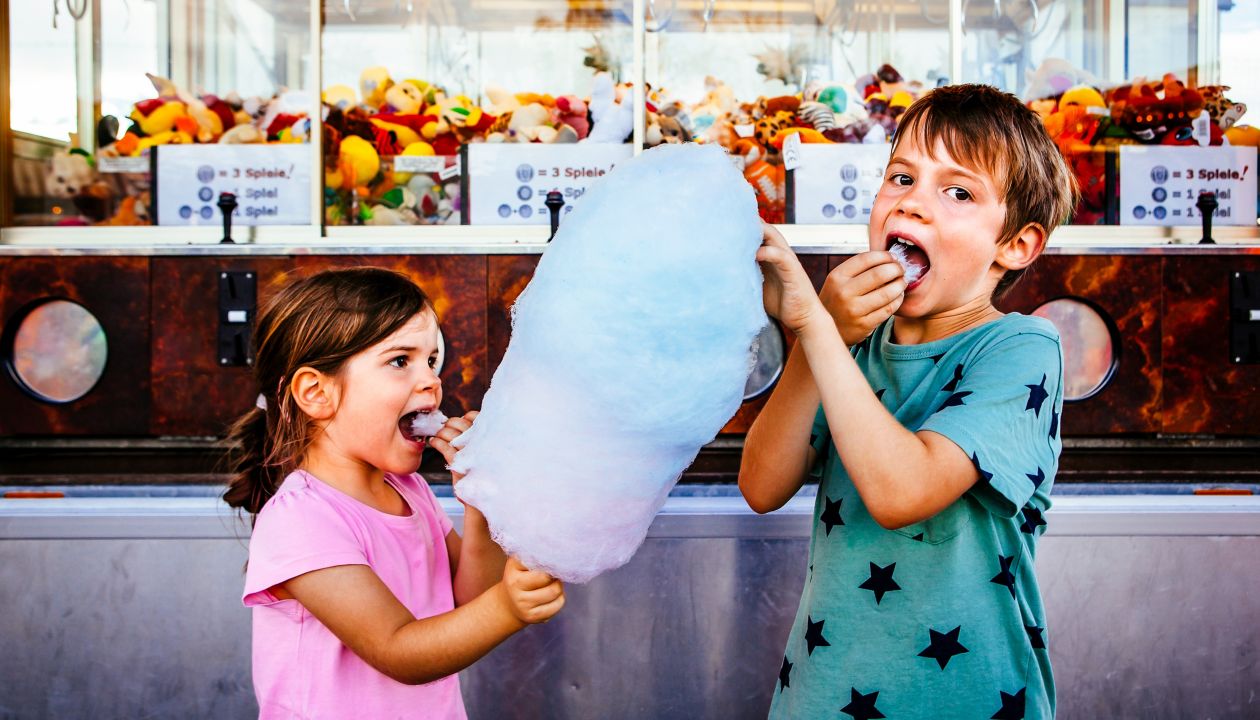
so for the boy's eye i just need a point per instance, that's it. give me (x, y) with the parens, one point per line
(900, 179)
(399, 362)
(959, 194)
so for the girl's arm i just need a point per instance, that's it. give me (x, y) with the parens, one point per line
(902, 477)
(353, 602)
(476, 560)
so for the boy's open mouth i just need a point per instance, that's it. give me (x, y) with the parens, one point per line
(419, 425)
(911, 257)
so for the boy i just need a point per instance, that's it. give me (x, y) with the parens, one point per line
(937, 435)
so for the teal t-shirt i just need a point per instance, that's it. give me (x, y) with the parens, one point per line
(943, 618)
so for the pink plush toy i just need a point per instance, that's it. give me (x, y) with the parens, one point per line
(573, 113)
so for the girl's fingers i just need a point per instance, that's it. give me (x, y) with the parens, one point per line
(549, 610)
(771, 237)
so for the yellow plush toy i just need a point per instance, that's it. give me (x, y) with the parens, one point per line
(359, 162)
(341, 97)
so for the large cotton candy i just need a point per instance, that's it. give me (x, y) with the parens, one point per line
(629, 351)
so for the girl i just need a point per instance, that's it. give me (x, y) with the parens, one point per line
(366, 602)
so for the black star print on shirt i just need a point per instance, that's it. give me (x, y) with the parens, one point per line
(881, 581)
(785, 674)
(1034, 637)
(1037, 396)
(879, 394)
(943, 646)
(862, 707)
(1032, 520)
(985, 476)
(1037, 479)
(814, 634)
(1004, 577)
(955, 399)
(831, 514)
(1012, 706)
(952, 385)
(1054, 422)
(936, 358)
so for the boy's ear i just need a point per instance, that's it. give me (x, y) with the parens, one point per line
(1020, 251)
(314, 392)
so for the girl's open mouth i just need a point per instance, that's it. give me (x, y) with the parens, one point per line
(419, 425)
(912, 259)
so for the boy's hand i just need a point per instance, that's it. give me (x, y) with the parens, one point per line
(863, 292)
(533, 596)
(453, 428)
(786, 291)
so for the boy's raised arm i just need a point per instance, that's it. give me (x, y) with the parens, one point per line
(777, 455)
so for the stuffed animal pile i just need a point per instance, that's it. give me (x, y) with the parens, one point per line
(864, 112)
(1086, 119)
(366, 131)
(173, 117)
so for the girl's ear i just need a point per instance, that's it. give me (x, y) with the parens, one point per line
(314, 392)
(1020, 251)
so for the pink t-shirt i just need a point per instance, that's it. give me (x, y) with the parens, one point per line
(301, 670)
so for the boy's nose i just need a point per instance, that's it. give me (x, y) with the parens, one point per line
(912, 204)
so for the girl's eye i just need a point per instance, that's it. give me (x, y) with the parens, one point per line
(433, 362)
(399, 362)
(959, 194)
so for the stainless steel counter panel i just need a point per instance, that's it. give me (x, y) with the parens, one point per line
(129, 607)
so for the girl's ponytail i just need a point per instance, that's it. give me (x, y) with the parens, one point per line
(254, 480)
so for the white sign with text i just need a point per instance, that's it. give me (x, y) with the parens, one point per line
(508, 183)
(836, 184)
(272, 184)
(1160, 185)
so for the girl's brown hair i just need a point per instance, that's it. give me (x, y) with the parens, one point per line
(318, 322)
(992, 131)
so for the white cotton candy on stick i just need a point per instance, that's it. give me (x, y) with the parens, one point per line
(428, 424)
(913, 270)
(629, 351)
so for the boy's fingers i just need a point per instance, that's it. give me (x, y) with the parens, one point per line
(771, 237)
(873, 278)
(862, 262)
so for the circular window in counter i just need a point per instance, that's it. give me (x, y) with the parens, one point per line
(55, 350)
(1091, 345)
(767, 357)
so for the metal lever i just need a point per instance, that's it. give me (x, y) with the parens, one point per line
(554, 202)
(227, 206)
(1207, 205)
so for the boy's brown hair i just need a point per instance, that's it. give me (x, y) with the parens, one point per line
(992, 131)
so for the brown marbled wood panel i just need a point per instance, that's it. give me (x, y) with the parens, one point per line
(116, 291)
(507, 277)
(1128, 289)
(1205, 393)
(193, 395)
(817, 267)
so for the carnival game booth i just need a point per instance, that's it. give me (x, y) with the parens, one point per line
(168, 165)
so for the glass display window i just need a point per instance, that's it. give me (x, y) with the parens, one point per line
(448, 113)
(101, 89)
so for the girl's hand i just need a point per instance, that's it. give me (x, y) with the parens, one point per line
(533, 596)
(787, 291)
(453, 428)
(863, 292)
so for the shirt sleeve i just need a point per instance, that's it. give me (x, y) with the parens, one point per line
(1002, 408)
(296, 532)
